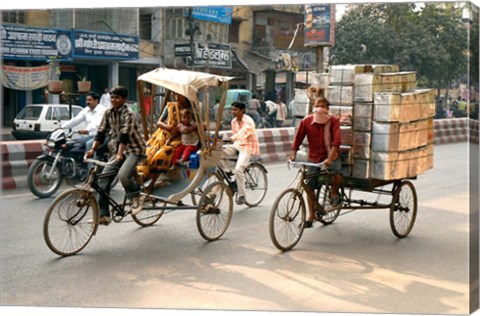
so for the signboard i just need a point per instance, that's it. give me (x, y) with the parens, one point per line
(105, 45)
(32, 43)
(320, 25)
(25, 78)
(213, 14)
(211, 55)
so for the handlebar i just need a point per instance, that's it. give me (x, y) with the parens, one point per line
(298, 164)
(109, 163)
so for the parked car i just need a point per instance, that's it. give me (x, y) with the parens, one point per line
(36, 121)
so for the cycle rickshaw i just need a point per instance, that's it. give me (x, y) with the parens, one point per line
(287, 216)
(72, 218)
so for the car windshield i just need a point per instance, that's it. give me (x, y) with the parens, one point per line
(30, 113)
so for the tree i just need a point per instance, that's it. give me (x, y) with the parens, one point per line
(430, 40)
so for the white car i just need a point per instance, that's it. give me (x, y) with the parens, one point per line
(36, 121)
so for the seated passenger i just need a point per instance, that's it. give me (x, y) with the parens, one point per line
(159, 153)
(189, 138)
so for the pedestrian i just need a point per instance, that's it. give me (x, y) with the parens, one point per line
(281, 112)
(323, 134)
(119, 121)
(254, 109)
(105, 98)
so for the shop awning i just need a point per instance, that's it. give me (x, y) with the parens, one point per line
(255, 63)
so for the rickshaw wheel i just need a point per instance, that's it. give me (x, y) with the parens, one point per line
(148, 217)
(214, 211)
(70, 222)
(287, 219)
(403, 210)
(212, 177)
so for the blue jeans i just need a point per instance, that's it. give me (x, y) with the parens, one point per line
(126, 171)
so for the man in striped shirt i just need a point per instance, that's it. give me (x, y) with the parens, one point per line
(129, 144)
(245, 142)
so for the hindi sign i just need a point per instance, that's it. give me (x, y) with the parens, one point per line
(213, 55)
(25, 78)
(105, 45)
(320, 25)
(213, 14)
(33, 43)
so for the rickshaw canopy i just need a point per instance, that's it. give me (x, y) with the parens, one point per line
(184, 82)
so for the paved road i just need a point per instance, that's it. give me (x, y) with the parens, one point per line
(354, 265)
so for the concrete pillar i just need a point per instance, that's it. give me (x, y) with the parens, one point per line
(289, 86)
(269, 81)
(114, 70)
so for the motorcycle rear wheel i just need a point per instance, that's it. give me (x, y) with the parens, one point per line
(42, 180)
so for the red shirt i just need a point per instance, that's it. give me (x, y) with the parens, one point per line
(314, 132)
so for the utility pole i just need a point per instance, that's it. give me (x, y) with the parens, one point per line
(191, 31)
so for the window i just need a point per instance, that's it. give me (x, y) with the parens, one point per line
(146, 26)
(15, 16)
(175, 23)
(234, 31)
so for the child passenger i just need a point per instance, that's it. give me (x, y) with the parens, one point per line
(189, 136)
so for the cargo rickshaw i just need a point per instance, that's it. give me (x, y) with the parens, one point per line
(288, 213)
(72, 218)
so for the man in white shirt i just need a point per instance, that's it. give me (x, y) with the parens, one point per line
(91, 115)
(105, 99)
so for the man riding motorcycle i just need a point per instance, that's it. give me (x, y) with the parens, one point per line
(92, 115)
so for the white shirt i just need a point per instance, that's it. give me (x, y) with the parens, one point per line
(105, 100)
(91, 118)
(271, 106)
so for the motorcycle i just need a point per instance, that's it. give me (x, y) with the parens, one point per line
(62, 158)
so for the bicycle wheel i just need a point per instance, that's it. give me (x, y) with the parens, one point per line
(210, 178)
(214, 211)
(42, 180)
(332, 210)
(70, 222)
(403, 210)
(287, 219)
(256, 184)
(150, 214)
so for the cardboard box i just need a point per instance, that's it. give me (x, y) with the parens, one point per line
(385, 137)
(340, 95)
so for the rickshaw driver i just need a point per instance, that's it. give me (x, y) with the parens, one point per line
(324, 139)
(130, 145)
(245, 142)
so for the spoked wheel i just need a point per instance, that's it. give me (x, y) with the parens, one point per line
(332, 210)
(403, 210)
(214, 211)
(256, 184)
(210, 178)
(42, 180)
(70, 222)
(150, 214)
(287, 219)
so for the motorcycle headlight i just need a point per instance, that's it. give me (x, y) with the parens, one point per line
(50, 144)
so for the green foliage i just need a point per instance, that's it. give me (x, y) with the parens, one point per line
(430, 40)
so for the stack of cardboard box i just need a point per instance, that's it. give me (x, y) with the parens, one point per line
(386, 122)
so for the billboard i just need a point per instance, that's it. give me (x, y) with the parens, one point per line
(320, 25)
(33, 43)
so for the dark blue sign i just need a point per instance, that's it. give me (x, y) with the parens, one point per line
(33, 43)
(213, 14)
(105, 45)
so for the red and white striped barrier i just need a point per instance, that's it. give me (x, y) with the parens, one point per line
(17, 156)
(451, 130)
(473, 131)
